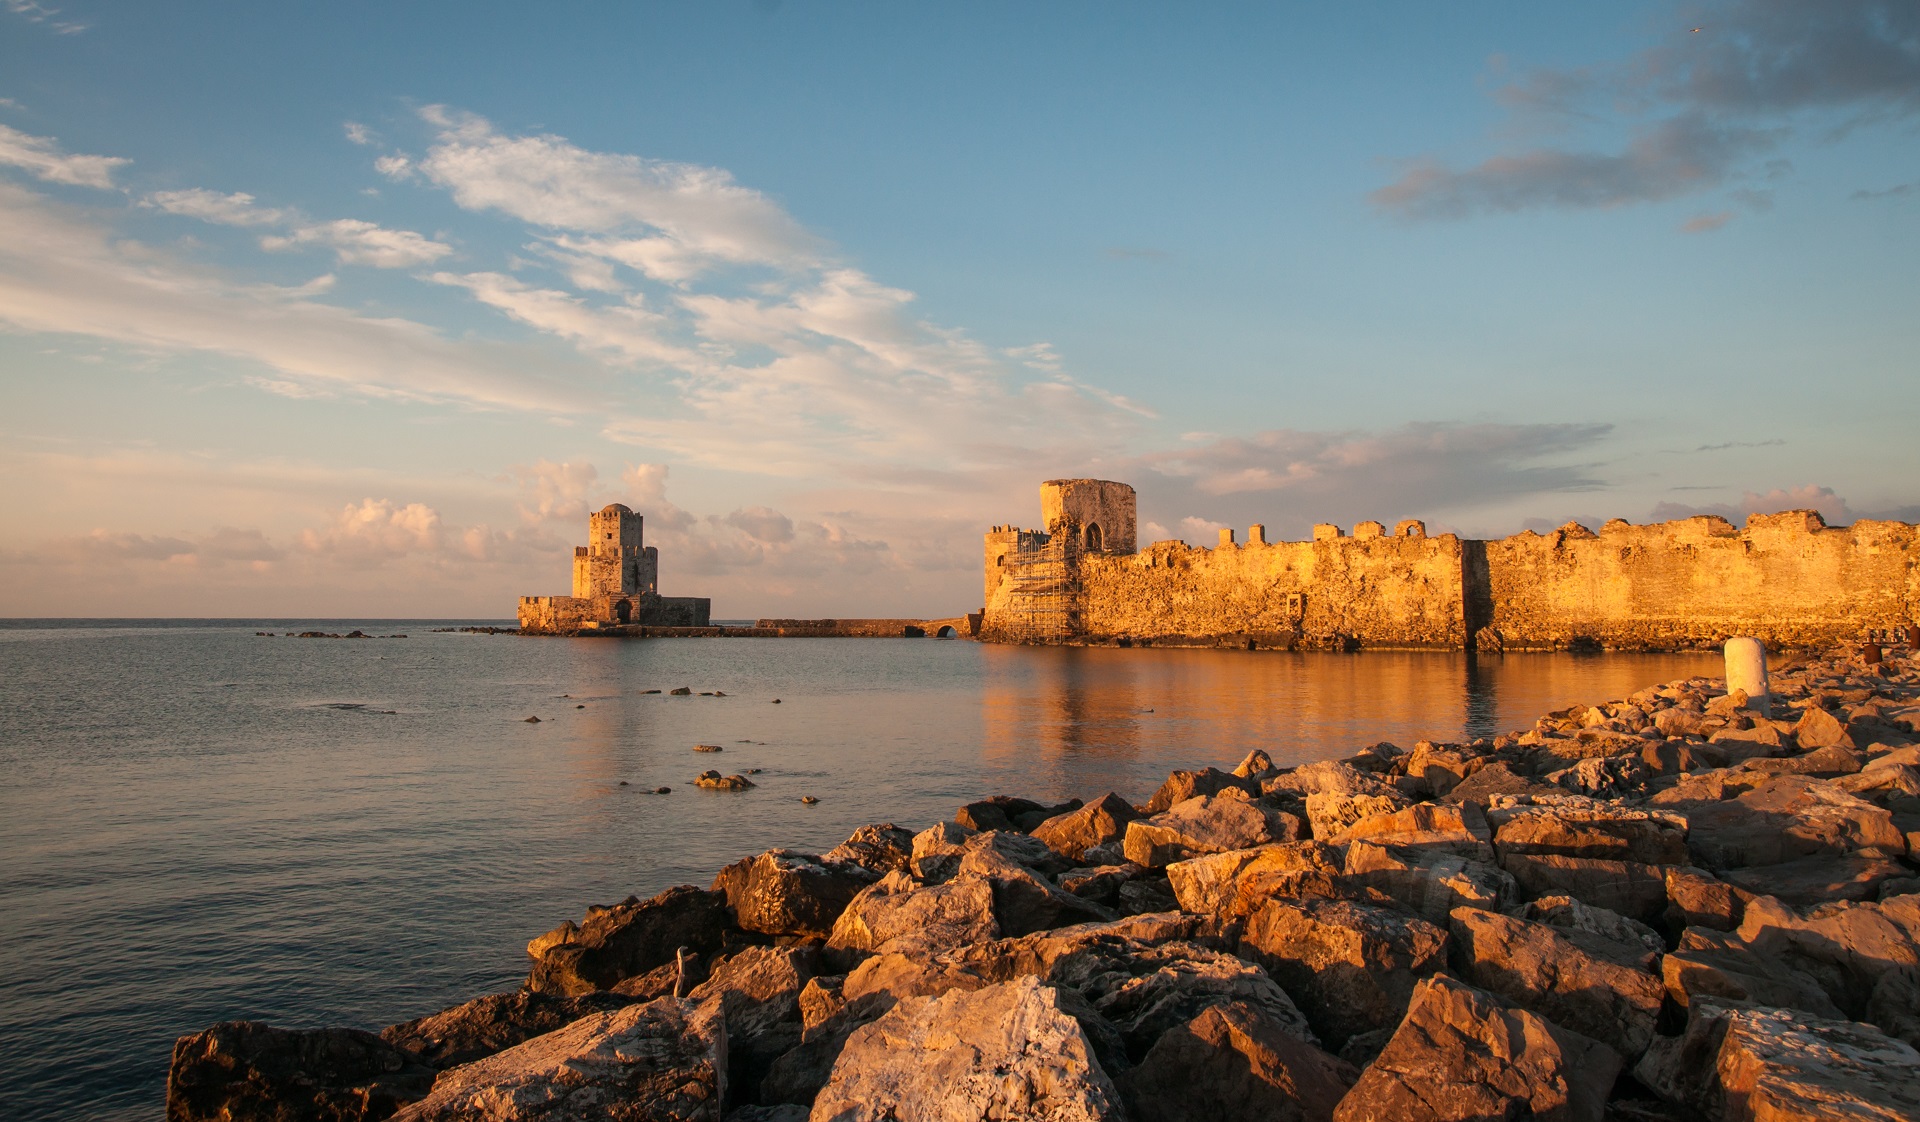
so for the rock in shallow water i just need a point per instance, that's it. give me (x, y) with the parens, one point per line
(248, 1070)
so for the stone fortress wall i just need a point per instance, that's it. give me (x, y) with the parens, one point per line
(1787, 579)
(616, 583)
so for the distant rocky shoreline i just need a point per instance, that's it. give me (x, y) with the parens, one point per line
(1671, 906)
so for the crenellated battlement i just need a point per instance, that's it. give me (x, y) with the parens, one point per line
(1788, 578)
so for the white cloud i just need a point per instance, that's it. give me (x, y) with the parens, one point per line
(356, 242)
(59, 273)
(624, 330)
(237, 209)
(376, 530)
(357, 133)
(42, 157)
(35, 12)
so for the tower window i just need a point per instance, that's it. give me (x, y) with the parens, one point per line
(1093, 535)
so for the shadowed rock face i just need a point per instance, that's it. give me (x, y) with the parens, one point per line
(1536, 967)
(1351, 967)
(1099, 822)
(248, 1070)
(491, 1024)
(629, 940)
(1462, 1055)
(1783, 1064)
(1231, 1062)
(781, 892)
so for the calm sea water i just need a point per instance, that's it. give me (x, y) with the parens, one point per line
(198, 824)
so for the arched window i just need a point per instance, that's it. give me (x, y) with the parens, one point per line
(1000, 559)
(1093, 535)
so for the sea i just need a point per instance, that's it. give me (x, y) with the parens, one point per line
(200, 822)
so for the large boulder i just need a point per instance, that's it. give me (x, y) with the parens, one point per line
(490, 1024)
(1627, 887)
(1608, 934)
(1183, 785)
(1099, 822)
(1779, 1064)
(1023, 900)
(758, 992)
(900, 914)
(1006, 812)
(1460, 828)
(1331, 814)
(882, 847)
(1739, 819)
(1462, 1056)
(1697, 898)
(1238, 882)
(1207, 824)
(1429, 881)
(1535, 966)
(1005, 1051)
(1351, 967)
(247, 1070)
(1144, 990)
(1818, 728)
(1719, 969)
(656, 1061)
(1229, 1063)
(1819, 880)
(1574, 826)
(1845, 948)
(781, 892)
(628, 940)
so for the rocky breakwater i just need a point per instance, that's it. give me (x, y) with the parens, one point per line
(1672, 906)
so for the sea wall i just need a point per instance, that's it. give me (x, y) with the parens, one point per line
(1787, 579)
(563, 615)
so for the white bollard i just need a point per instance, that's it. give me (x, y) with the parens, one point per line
(1747, 670)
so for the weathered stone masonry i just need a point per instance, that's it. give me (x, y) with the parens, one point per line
(1788, 579)
(616, 578)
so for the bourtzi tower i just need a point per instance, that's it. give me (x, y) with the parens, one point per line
(616, 582)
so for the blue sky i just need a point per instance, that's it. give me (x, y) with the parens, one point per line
(358, 309)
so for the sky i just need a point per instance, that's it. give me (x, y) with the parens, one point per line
(357, 309)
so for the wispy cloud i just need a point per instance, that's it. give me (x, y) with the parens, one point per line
(354, 241)
(1897, 191)
(41, 156)
(1701, 106)
(1706, 223)
(34, 12)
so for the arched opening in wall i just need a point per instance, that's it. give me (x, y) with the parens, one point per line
(946, 632)
(1000, 561)
(623, 611)
(1093, 535)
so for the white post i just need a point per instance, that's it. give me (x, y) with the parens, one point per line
(1747, 670)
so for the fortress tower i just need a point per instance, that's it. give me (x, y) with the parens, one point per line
(615, 561)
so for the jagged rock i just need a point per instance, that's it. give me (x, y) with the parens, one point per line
(1440, 768)
(1603, 776)
(1599, 931)
(1895, 1004)
(241, 1070)
(1101, 885)
(1818, 880)
(1350, 967)
(1821, 729)
(1767, 1064)
(1023, 901)
(1538, 967)
(758, 992)
(938, 852)
(781, 892)
(1571, 826)
(1824, 763)
(711, 780)
(486, 1025)
(1144, 990)
(1697, 898)
(1495, 779)
(1207, 824)
(898, 914)
(653, 1061)
(1627, 887)
(1006, 1051)
(882, 847)
(1461, 828)
(1238, 882)
(1099, 822)
(1738, 820)
(630, 939)
(1327, 777)
(1430, 882)
(1004, 812)
(1845, 948)
(1256, 765)
(1144, 896)
(820, 999)
(1462, 1056)
(1720, 969)
(797, 1075)
(1183, 785)
(1230, 1062)
(1331, 814)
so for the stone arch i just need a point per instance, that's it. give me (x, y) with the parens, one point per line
(1093, 535)
(947, 631)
